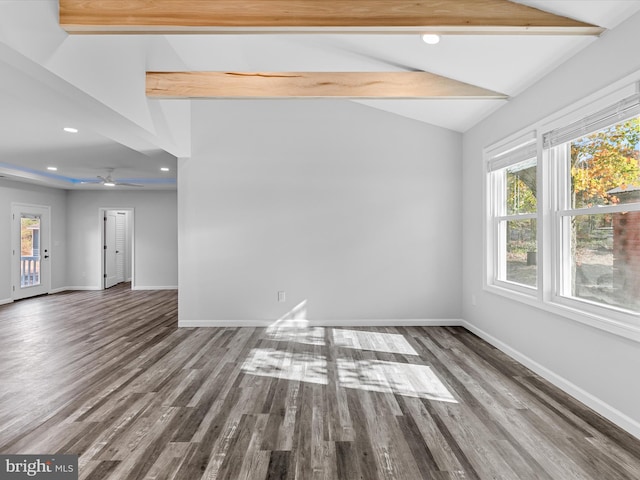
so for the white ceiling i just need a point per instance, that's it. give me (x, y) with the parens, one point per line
(49, 80)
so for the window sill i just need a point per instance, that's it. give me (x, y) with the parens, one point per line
(626, 326)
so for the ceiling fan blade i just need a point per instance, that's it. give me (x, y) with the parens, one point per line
(128, 184)
(91, 182)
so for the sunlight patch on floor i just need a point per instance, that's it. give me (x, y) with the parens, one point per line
(404, 379)
(303, 367)
(295, 331)
(294, 327)
(375, 341)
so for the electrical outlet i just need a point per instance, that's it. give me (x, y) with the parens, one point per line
(282, 296)
(473, 300)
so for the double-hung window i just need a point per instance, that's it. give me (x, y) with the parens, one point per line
(513, 225)
(595, 185)
(563, 213)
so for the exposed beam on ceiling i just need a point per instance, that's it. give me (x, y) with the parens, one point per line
(291, 16)
(310, 85)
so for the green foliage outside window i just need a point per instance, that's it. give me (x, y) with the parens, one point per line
(521, 191)
(26, 235)
(605, 161)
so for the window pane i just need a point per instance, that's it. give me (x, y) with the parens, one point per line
(521, 187)
(29, 251)
(605, 259)
(521, 252)
(604, 166)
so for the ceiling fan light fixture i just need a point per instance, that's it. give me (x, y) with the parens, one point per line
(109, 184)
(70, 130)
(431, 38)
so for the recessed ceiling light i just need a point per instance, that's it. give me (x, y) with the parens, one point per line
(164, 169)
(431, 38)
(109, 184)
(70, 130)
(53, 169)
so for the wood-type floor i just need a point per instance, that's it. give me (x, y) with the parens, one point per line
(110, 377)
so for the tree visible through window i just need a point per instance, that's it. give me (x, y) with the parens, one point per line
(515, 205)
(27, 227)
(29, 251)
(563, 216)
(605, 164)
(521, 244)
(605, 247)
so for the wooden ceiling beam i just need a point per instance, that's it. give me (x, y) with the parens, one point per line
(318, 16)
(310, 85)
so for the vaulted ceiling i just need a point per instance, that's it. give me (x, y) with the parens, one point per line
(97, 81)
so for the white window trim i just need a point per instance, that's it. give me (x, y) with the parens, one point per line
(609, 319)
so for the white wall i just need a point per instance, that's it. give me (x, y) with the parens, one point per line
(598, 367)
(155, 236)
(25, 193)
(354, 210)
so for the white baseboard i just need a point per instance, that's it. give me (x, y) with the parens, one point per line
(6, 300)
(58, 290)
(224, 323)
(448, 322)
(402, 322)
(62, 289)
(93, 288)
(162, 287)
(620, 419)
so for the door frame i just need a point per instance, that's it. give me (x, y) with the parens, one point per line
(131, 246)
(45, 276)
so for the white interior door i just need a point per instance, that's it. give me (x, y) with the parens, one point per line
(110, 256)
(30, 228)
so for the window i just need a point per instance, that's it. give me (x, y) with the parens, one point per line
(597, 210)
(514, 230)
(563, 214)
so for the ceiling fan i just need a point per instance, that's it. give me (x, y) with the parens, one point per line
(108, 181)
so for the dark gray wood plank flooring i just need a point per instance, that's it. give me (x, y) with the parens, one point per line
(110, 377)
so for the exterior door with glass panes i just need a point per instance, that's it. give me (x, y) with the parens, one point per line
(31, 250)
